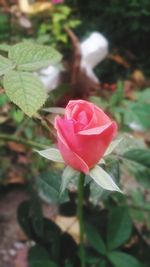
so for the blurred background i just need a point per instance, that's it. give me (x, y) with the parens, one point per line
(106, 60)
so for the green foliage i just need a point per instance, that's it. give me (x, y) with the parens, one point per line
(103, 179)
(5, 65)
(67, 176)
(31, 57)
(4, 25)
(25, 90)
(95, 239)
(51, 154)
(122, 259)
(141, 156)
(143, 96)
(118, 96)
(36, 214)
(22, 87)
(119, 227)
(131, 114)
(38, 257)
(137, 116)
(48, 186)
(60, 18)
(124, 23)
(108, 216)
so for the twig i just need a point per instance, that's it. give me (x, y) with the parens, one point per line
(30, 143)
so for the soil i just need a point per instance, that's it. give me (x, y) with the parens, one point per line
(12, 239)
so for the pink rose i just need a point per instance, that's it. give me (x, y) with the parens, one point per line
(83, 134)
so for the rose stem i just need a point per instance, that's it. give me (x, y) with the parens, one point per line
(80, 217)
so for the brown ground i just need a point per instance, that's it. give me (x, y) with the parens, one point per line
(12, 239)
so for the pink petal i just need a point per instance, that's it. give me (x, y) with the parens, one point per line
(69, 156)
(72, 159)
(96, 130)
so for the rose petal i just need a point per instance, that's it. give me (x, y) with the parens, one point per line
(69, 156)
(99, 118)
(96, 130)
(72, 159)
(75, 107)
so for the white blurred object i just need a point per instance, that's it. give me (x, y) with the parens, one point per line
(93, 50)
(50, 77)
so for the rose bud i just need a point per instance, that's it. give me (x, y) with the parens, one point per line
(84, 134)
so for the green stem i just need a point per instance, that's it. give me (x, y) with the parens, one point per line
(30, 143)
(80, 217)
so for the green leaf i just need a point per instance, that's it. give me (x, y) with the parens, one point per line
(17, 115)
(97, 193)
(5, 65)
(30, 217)
(120, 259)
(23, 217)
(67, 175)
(142, 175)
(137, 117)
(119, 227)
(39, 257)
(4, 47)
(51, 154)
(95, 239)
(37, 253)
(112, 147)
(113, 168)
(32, 57)
(25, 90)
(141, 156)
(118, 96)
(103, 179)
(144, 96)
(36, 214)
(48, 185)
(44, 263)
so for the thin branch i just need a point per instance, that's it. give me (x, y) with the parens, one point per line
(29, 143)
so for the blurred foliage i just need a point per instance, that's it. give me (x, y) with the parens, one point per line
(53, 31)
(126, 24)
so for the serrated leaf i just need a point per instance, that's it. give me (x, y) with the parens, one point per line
(112, 147)
(120, 259)
(103, 179)
(67, 175)
(32, 57)
(25, 90)
(95, 239)
(5, 65)
(51, 154)
(119, 227)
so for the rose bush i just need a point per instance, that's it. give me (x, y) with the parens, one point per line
(83, 134)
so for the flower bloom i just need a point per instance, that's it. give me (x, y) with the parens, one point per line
(83, 134)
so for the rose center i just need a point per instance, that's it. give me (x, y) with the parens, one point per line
(82, 118)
